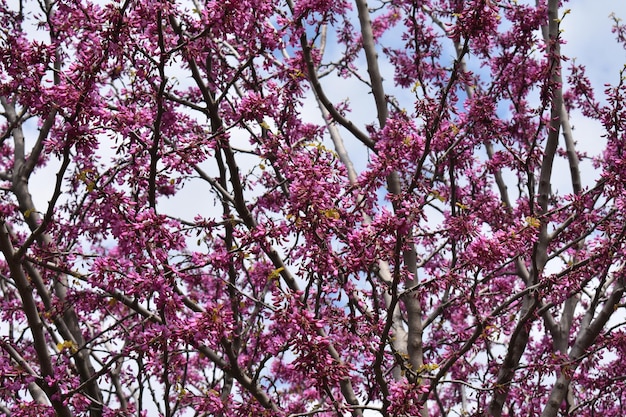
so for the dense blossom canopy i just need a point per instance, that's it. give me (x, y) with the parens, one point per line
(225, 231)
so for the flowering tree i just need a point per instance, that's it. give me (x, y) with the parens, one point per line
(208, 247)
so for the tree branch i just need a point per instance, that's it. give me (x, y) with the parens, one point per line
(35, 324)
(586, 336)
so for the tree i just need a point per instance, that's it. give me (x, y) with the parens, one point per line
(209, 247)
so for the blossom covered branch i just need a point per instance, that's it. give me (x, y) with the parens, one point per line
(307, 208)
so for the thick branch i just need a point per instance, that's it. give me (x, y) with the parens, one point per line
(38, 226)
(570, 147)
(554, 127)
(519, 338)
(586, 336)
(515, 350)
(34, 323)
(371, 57)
